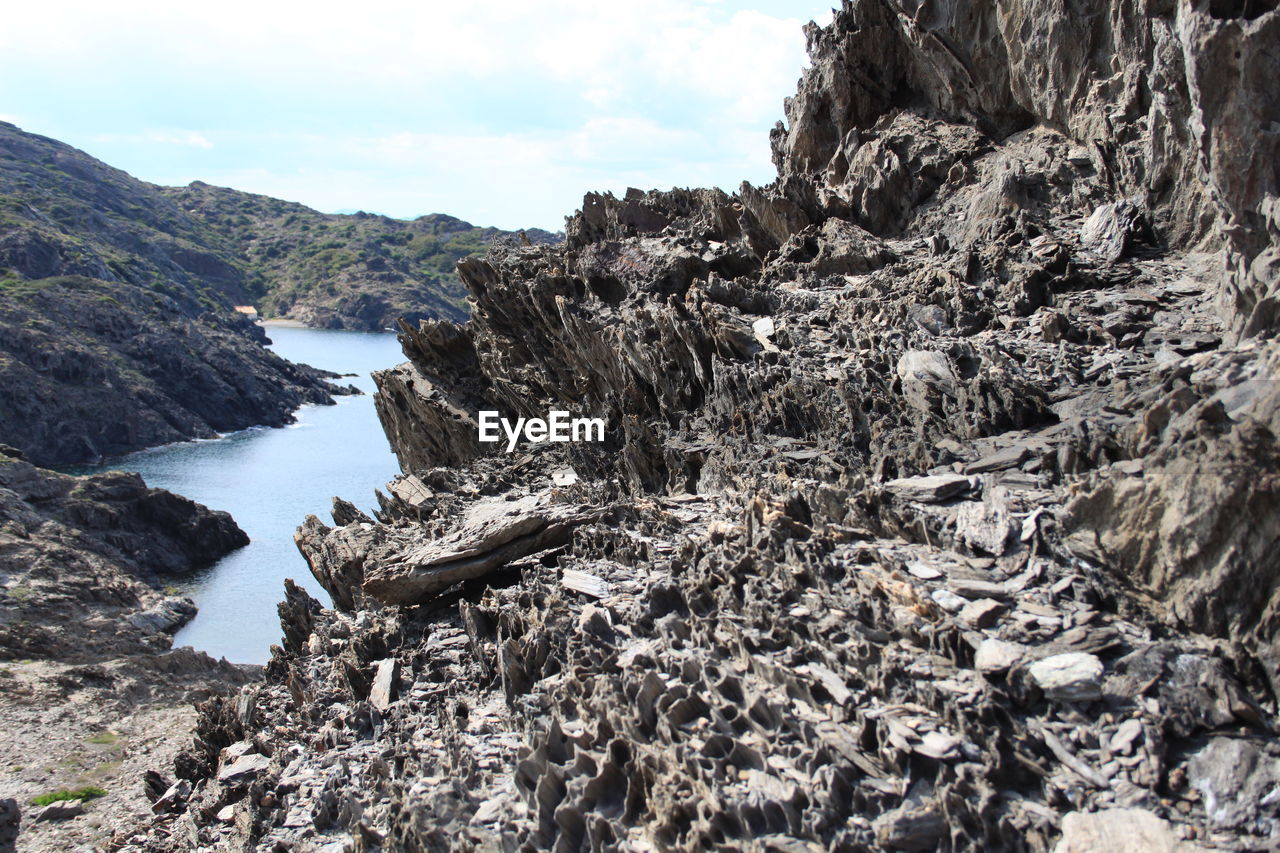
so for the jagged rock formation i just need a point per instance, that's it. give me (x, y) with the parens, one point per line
(937, 506)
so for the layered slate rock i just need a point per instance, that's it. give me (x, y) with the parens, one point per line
(492, 534)
(890, 549)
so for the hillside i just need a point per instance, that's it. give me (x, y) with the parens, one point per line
(116, 323)
(356, 271)
(116, 329)
(62, 212)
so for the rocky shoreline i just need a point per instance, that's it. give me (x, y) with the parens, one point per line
(93, 694)
(937, 510)
(90, 370)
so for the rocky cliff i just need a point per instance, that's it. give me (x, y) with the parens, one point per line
(116, 329)
(91, 369)
(80, 554)
(936, 510)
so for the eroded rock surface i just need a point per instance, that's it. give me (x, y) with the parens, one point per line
(934, 511)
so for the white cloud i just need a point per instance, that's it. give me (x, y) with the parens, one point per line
(500, 111)
(159, 137)
(509, 180)
(603, 47)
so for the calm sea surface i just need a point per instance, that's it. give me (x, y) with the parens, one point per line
(269, 480)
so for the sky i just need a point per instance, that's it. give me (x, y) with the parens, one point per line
(501, 112)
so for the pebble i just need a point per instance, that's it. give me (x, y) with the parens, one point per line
(1122, 741)
(948, 600)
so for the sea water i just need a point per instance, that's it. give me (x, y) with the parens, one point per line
(270, 480)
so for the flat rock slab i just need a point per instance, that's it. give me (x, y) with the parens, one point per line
(493, 533)
(1122, 741)
(974, 588)
(385, 682)
(173, 798)
(1233, 774)
(948, 600)
(585, 583)
(411, 490)
(64, 810)
(243, 768)
(1009, 457)
(1072, 677)
(931, 489)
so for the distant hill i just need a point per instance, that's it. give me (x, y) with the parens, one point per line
(331, 270)
(117, 328)
(63, 212)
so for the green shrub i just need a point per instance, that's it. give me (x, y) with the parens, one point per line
(88, 792)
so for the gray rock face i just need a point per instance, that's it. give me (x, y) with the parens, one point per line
(1232, 775)
(91, 369)
(885, 546)
(1194, 154)
(10, 824)
(1196, 524)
